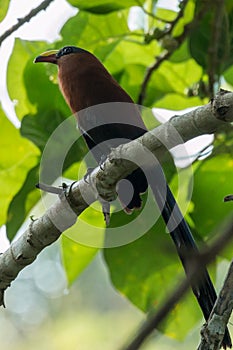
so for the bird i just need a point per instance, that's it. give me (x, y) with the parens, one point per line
(88, 88)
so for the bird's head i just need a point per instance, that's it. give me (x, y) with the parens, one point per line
(71, 61)
(57, 56)
(82, 78)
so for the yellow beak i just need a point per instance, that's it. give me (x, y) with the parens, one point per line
(48, 56)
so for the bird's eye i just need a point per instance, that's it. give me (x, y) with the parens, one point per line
(67, 50)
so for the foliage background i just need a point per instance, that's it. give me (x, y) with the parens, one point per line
(191, 50)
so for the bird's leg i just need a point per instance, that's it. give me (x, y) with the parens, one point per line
(106, 211)
(87, 175)
(105, 204)
(90, 170)
(101, 162)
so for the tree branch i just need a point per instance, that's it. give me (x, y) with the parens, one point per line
(76, 198)
(213, 49)
(25, 19)
(213, 331)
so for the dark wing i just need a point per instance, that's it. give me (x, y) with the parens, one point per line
(101, 138)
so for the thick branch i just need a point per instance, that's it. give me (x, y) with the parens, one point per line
(25, 19)
(74, 200)
(213, 331)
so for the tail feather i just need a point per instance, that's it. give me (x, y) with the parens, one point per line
(185, 245)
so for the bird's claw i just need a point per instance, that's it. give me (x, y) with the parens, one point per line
(88, 173)
(228, 198)
(101, 162)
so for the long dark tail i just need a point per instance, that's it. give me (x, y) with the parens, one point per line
(203, 288)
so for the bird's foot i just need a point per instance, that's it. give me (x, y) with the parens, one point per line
(228, 198)
(87, 175)
(101, 162)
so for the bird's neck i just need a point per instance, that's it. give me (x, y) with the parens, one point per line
(84, 85)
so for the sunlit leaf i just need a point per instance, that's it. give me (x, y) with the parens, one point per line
(131, 78)
(134, 52)
(187, 17)
(75, 257)
(23, 52)
(102, 6)
(168, 85)
(228, 75)
(212, 184)
(93, 31)
(17, 157)
(146, 271)
(165, 14)
(89, 230)
(4, 8)
(175, 101)
(181, 54)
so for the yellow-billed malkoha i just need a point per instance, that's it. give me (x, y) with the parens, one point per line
(84, 82)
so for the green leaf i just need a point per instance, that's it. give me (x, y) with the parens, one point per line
(17, 157)
(40, 81)
(146, 271)
(93, 31)
(181, 54)
(103, 52)
(228, 75)
(23, 54)
(89, 230)
(181, 75)
(38, 128)
(102, 6)
(165, 14)
(176, 102)
(22, 203)
(58, 138)
(187, 17)
(131, 79)
(131, 60)
(212, 184)
(201, 42)
(75, 257)
(134, 52)
(169, 85)
(4, 8)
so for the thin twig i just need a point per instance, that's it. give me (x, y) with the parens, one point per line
(204, 258)
(166, 54)
(159, 60)
(148, 13)
(183, 5)
(214, 43)
(25, 19)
